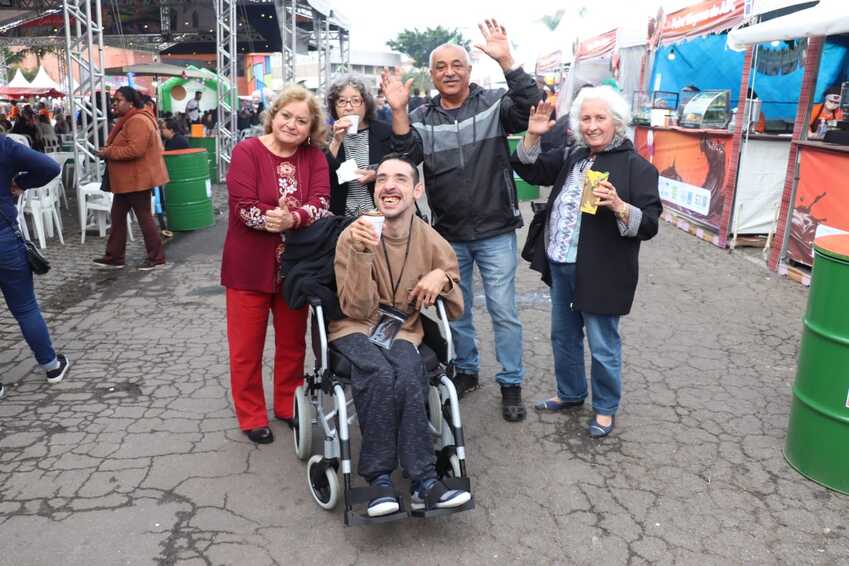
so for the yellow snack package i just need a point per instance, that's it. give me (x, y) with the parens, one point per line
(589, 202)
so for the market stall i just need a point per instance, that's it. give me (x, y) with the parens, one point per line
(684, 124)
(612, 57)
(813, 200)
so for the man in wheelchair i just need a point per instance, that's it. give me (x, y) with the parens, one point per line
(383, 281)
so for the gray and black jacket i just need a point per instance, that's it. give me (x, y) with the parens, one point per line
(467, 170)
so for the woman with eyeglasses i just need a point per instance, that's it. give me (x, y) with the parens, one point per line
(348, 99)
(277, 182)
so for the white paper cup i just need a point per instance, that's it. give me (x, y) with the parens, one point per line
(355, 123)
(376, 223)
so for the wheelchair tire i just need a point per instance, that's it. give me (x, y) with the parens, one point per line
(323, 481)
(434, 406)
(302, 429)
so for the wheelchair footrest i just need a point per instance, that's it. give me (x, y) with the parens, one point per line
(431, 513)
(352, 518)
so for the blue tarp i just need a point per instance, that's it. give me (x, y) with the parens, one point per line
(707, 63)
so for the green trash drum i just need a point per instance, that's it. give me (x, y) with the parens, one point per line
(524, 190)
(818, 432)
(188, 195)
(209, 145)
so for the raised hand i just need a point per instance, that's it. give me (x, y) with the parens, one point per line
(497, 46)
(397, 92)
(540, 121)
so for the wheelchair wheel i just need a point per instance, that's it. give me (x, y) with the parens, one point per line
(434, 406)
(302, 430)
(323, 481)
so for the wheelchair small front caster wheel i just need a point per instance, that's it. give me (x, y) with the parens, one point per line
(324, 482)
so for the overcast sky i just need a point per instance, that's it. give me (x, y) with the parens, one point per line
(373, 22)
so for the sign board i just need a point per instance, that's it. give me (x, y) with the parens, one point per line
(709, 16)
(597, 46)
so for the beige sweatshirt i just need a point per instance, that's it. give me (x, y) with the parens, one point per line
(363, 282)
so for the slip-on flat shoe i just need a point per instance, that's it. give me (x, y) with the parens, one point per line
(553, 405)
(598, 431)
(262, 435)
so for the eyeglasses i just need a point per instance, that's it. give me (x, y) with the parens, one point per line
(354, 102)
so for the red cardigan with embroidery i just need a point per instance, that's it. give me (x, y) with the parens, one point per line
(256, 181)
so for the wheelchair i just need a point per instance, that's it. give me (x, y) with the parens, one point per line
(321, 403)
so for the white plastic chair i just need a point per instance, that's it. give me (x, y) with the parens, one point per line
(91, 200)
(42, 204)
(52, 144)
(62, 158)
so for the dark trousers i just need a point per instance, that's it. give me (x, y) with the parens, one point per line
(139, 202)
(390, 389)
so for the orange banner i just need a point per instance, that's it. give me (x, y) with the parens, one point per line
(710, 16)
(692, 171)
(822, 204)
(596, 46)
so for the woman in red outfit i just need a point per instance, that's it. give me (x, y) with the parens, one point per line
(276, 182)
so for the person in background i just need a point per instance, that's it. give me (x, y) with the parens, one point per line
(590, 260)
(349, 96)
(22, 168)
(5, 124)
(172, 135)
(209, 121)
(193, 108)
(45, 128)
(276, 182)
(382, 111)
(243, 120)
(827, 110)
(416, 100)
(63, 124)
(133, 155)
(26, 126)
(460, 136)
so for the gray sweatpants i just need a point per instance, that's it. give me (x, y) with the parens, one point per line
(390, 389)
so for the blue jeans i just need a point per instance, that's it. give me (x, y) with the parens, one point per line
(16, 284)
(496, 259)
(567, 344)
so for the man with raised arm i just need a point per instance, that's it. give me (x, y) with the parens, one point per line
(460, 135)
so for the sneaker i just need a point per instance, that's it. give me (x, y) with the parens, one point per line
(440, 496)
(464, 382)
(383, 505)
(147, 265)
(512, 408)
(2, 390)
(104, 263)
(58, 374)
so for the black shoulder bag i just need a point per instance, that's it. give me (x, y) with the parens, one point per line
(37, 262)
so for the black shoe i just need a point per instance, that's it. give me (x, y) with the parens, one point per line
(58, 374)
(512, 408)
(262, 435)
(464, 382)
(147, 265)
(104, 263)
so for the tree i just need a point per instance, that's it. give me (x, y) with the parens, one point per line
(12, 59)
(418, 44)
(552, 21)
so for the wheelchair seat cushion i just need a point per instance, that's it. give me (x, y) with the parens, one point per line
(340, 365)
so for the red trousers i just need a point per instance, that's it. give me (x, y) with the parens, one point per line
(247, 320)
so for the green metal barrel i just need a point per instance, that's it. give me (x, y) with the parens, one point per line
(524, 190)
(188, 195)
(209, 145)
(818, 433)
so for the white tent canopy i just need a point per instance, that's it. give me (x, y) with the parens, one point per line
(829, 17)
(18, 81)
(43, 80)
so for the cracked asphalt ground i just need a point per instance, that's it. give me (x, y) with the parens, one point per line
(136, 458)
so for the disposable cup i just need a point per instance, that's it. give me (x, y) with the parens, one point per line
(376, 219)
(355, 122)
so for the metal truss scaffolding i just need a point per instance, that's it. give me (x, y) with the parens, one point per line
(84, 54)
(227, 28)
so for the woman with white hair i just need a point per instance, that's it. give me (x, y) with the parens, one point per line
(589, 258)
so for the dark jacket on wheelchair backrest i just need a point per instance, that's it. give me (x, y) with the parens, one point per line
(307, 265)
(467, 171)
(607, 265)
